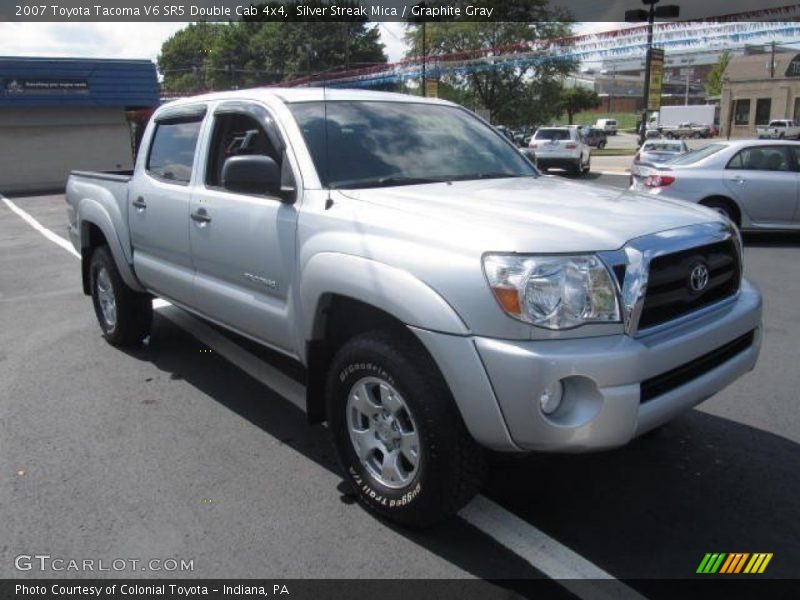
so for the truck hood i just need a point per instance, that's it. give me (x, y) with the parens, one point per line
(547, 213)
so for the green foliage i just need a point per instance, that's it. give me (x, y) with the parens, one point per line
(576, 99)
(714, 81)
(513, 94)
(252, 52)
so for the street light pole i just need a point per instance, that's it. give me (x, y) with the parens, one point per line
(651, 17)
(631, 16)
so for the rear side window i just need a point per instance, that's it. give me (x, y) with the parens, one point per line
(172, 150)
(764, 158)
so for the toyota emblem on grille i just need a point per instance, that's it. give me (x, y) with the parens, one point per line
(698, 280)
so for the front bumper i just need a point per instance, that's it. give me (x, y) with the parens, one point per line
(603, 378)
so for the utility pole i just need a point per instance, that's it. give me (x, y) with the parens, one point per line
(686, 95)
(772, 62)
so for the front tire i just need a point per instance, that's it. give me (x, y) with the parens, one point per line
(397, 432)
(124, 315)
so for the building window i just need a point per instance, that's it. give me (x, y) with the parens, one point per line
(741, 112)
(763, 107)
(796, 115)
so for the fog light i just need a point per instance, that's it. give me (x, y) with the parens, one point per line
(551, 397)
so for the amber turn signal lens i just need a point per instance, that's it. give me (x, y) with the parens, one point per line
(508, 299)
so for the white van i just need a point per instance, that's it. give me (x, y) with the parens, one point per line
(607, 125)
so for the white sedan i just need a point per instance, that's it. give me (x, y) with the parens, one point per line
(755, 183)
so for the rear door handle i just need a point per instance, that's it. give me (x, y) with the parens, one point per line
(139, 204)
(200, 216)
(738, 179)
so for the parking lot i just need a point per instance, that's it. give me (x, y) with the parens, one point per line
(181, 450)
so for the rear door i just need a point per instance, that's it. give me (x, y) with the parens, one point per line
(243, 245)
(158, 203)
(764, 180)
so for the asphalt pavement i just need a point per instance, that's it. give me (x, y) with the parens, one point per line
(174, 451)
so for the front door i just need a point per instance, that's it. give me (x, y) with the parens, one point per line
(243, 245)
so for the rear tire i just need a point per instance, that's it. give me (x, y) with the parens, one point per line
(124, 315)
(601, 145)
(399, 437)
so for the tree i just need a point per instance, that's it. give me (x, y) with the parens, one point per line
(714, 80)
(500, 86)
(576, 99)
(183, 56)
(251, 52)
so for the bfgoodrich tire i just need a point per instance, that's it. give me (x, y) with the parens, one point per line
(124, 315)
(398, 435)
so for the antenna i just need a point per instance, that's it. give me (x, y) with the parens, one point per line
(329, 200)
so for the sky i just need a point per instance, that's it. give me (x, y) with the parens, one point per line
(143, 40)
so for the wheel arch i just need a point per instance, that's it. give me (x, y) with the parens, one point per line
(97, 228)
(345, 295)
(728, 201)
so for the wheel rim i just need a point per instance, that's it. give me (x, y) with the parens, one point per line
(105, 297)
(383, 433)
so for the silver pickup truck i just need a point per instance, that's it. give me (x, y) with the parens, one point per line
(444, 296)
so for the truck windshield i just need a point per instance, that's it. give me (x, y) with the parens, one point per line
(381, 144)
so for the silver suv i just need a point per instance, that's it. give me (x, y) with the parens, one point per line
(561, 147)
(443, 297)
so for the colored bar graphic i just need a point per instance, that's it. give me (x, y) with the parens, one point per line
(734, 563)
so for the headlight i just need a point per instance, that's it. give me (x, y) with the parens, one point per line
(555, 292)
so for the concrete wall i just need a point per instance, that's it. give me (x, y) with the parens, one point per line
(40, 146)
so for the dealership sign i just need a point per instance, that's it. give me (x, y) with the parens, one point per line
(36, 87)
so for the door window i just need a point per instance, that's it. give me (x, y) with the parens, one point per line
(172, 150)
(236, 135)
(762, 158)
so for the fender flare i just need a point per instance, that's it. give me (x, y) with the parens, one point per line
(92, 212)
(393, 290)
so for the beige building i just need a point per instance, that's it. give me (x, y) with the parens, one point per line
(755, 91)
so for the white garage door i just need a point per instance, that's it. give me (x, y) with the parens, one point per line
(40, 146)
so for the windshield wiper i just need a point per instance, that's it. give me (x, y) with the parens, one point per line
(490, 175)
(389, 181)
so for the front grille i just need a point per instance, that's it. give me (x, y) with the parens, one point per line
(669, 293)
(666, 382)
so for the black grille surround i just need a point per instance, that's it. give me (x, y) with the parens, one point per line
(669, 293)
(666, 382)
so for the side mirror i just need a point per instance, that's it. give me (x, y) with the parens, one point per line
(251, 174)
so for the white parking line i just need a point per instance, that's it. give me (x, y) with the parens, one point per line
(53, 237)
(556, 561)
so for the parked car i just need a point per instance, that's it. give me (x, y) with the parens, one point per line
(658, 151)
(442, 296)
(687, 130)
(563, 148)
(595, 138)
(753, 183)
(779, 129)
(506, 132)
(607, 125)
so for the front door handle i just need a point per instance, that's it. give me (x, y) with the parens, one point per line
(200, 216)
(139, 204)
(738, 179)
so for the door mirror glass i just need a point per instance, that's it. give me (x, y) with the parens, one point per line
(251, 174)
